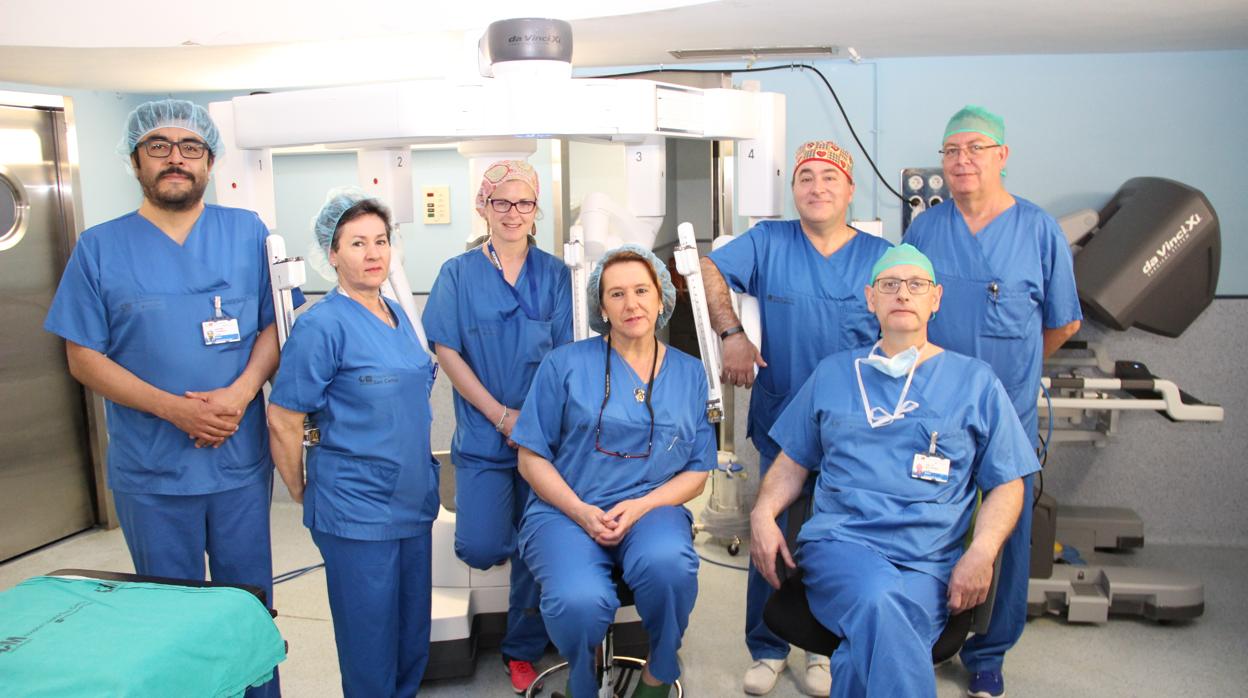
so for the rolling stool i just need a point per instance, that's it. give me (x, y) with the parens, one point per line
(617, 675)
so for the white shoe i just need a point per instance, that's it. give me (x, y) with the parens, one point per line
(761, 677)
(817, 681)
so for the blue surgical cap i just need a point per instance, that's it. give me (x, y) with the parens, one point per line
(337, 202)
(666, 288)
(171, 113)
(901, 255)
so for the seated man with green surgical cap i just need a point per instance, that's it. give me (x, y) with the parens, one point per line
(901, 435)
(1010, 300)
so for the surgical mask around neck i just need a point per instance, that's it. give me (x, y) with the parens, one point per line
(897, 365)
(878, 416)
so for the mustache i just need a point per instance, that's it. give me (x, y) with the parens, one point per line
(178, 171)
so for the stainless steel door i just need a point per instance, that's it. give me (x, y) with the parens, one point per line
(46, 479)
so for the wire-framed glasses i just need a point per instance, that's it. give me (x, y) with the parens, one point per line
(917, 286)
(160, 148)
(607, 396)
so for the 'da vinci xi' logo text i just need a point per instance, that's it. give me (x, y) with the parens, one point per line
(1174, 244)
(531, 38)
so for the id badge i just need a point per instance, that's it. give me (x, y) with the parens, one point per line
(220, 331)
(930, 467)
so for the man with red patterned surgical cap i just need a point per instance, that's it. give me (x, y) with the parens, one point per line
(808, 277)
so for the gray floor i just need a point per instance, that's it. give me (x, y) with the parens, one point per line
(1208, 657)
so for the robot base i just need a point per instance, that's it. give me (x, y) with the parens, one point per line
(1090, 594)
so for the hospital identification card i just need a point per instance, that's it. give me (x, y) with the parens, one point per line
(930, 467)
(220, 331)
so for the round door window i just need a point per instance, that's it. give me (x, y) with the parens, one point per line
(13, 208)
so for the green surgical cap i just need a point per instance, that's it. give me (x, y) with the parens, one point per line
(973, 119)
(901, 255)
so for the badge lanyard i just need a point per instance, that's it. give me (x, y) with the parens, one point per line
(219, 329)
(528, 306)
(877, 416)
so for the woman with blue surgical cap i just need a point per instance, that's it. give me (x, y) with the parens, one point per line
(354, 364)
(614, 440)
(493, 314)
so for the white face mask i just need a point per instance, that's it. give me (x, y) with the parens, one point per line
(896, 366)
(904, 362)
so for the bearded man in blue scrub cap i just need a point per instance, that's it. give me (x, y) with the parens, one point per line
(807, 275)
(902, 434)
(1010, 300)
(166, 313)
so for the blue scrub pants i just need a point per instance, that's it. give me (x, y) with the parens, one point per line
(380, 597)
(579, 601)
(889, 617)
(1009, 612)
(488, 505)
(168, 535)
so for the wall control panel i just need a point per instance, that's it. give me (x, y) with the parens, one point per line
(435, 205)
(922, 188)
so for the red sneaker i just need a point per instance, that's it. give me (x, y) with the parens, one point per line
(522, 675)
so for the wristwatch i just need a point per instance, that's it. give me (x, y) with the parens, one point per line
(731, 331)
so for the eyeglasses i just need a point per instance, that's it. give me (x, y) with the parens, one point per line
(607, 396)
(952, 152)
(161, 148)
(917, 287)
(522, 206)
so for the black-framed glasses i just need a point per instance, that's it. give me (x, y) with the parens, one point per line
(160, 148)
(952, 152)
(522, 206)
(917, 286)
(607, 396)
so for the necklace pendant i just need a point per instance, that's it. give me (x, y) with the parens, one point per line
(639, 394)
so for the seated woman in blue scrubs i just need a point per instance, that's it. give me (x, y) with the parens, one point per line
(494, 312)
(614, 440)
(354, 364)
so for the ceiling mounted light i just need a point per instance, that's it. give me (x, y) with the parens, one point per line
(756, 53)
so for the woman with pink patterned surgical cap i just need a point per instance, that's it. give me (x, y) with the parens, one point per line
(494, 312)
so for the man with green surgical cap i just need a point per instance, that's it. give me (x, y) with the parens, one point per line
(902, 434)
(1010, 300)
(166, 312)
(807, 275)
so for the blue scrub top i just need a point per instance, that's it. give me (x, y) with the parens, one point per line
(133, 294)
(561, 414)
(864, 493)
(474, 311)
(810, 305)
(366, 385)
(1023, 255)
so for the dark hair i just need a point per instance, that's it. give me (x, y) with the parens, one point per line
(364, 208)
(629, 256)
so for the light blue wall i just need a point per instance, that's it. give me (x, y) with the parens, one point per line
(302, 182)
(1078, 125)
